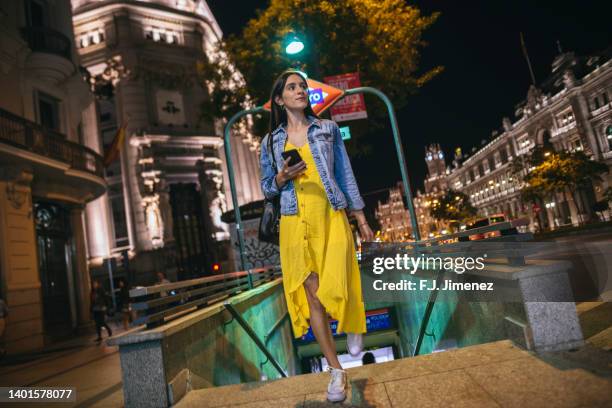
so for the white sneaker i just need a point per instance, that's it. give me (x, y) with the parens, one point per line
(336, 390)
(354, 343)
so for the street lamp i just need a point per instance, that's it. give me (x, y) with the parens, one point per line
(294, 45)
(295, 51)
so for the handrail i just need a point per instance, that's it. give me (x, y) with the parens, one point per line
(157, 304)
(24, 134)
(247, 328)
(431, 245)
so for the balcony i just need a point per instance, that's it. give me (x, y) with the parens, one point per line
(51, 55)
(60, 167)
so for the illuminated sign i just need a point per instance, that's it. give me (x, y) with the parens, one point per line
(375, 320)
(345, 131)
(321, 96)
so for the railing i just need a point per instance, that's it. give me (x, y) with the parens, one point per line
(158, 304)
(260, 344)
(43, 39)
(455, 245)
(30, 136)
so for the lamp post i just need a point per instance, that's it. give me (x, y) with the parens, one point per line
(294, 45)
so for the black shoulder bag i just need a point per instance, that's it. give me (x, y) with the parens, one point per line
(269, 224)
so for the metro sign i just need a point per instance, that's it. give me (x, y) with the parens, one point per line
(321, 96)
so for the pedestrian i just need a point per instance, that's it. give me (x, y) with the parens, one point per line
(368, 358)
(317, 252)
(99, 308)
(124, 299)
(3, 321)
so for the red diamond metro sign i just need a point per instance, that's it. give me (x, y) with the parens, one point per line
(321, 96)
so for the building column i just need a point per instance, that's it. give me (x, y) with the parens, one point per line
(132, 107)
(582, 107)
(20, 284)
(81, 271)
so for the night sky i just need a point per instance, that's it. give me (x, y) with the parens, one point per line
(485, 72)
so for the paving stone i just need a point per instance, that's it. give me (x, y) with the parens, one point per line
(531, 382)
(451, 389)
(291, 402)
(360, 393)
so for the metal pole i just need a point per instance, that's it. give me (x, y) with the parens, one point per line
(230, 173)
(109, 267)
(398, 148)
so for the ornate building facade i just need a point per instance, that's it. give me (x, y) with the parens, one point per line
(169, 187)
(570, 111)
(50, 168)
(393, 217)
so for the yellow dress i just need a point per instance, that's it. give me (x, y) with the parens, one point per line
(319, 239)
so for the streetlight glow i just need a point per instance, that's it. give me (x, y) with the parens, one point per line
(294, 47)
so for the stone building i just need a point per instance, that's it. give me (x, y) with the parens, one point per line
(169, 187)
(393, 217)
(50, 168)
(569, 111)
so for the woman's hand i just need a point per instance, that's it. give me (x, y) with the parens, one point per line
(364, 228)
(366, 232)
(287, 172)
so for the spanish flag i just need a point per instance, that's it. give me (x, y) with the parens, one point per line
(112, 153)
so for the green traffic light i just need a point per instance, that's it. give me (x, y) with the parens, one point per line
(294, 47)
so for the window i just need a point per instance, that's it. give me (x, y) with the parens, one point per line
(596, 102)
(609, 136)
(119, 220)
(91, 38)
(605, 98)
(36, 13)
(480, 169)
(48, 111)
(491, 163)
(503, 155)
(565, 118)
(161, 35)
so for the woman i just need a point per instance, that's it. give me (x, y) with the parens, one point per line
(318, 260)
(98, 308)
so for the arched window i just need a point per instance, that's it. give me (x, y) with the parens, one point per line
(609, 136)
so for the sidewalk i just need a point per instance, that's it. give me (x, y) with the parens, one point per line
(93, 368)
(494, 374)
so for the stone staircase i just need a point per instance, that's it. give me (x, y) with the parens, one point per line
(496, 374)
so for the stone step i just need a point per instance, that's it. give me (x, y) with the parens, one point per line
(493, 374)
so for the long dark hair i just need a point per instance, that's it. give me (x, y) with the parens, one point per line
(278, 115)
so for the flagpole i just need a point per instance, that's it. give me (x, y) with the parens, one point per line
(524, 47)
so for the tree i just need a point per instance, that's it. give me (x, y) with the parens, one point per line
(563, 172)
(381, 39)
(453, 206)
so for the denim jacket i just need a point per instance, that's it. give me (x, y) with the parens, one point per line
(332, 164)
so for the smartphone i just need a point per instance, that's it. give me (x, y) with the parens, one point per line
(294, 155)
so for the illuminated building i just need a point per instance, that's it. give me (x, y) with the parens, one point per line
(570, 111)
(51, 167)
(169, 187)
(393, 217)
